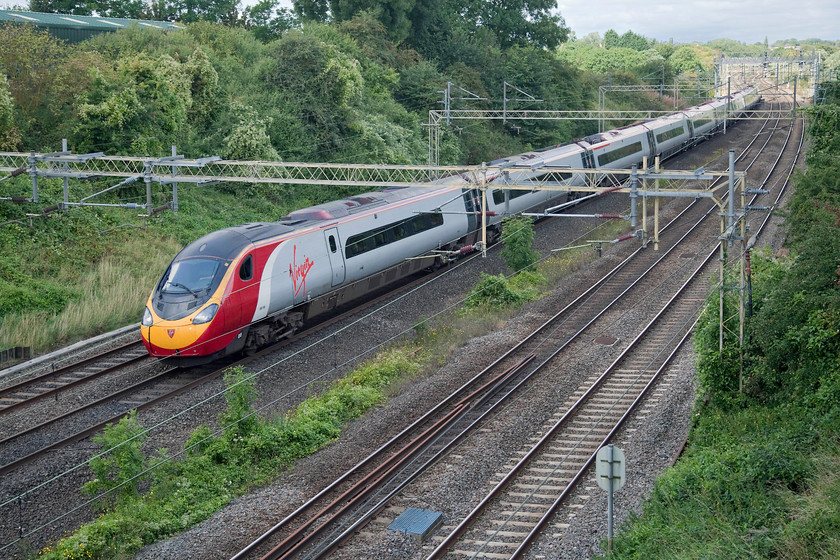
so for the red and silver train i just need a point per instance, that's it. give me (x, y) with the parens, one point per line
(242, 287)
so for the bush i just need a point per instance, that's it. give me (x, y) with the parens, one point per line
(494, 292)
(216, 467)
(121, 462)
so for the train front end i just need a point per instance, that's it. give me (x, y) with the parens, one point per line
(187, 316)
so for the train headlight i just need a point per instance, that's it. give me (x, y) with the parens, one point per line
(206, 314)
(147, 318)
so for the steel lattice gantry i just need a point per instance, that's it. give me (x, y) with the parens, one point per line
(177, 169)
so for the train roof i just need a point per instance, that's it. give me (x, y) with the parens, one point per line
(229, 242)
(352, 204)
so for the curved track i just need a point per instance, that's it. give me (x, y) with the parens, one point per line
(528, 497)
(353, 500)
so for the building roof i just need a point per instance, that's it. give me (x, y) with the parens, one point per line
(73, 27)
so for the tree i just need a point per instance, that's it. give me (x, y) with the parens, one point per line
(219, 11)
(9, 134)
(633, 41)
(319, 83)
(513, 22)
(267, 22)
(393, 14)
(61, 7)
(611, 39)
(30, 58)
(312, 10)
(517, 237)
(248, 140)
(684, 59)
(132, 9)
(139, 110)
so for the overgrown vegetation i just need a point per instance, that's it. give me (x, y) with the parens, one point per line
(148, 498)
(759, 476)
(500, 292)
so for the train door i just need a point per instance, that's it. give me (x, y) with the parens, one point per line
(244, 294)
(472, 203)
(336, 258)
(588, 160)
(652, 150)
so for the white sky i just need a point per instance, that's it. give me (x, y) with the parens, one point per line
(684, 21)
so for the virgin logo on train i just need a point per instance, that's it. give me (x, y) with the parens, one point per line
(298, 272)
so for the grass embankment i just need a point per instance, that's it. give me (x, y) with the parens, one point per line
(76, 274)
(760, 477)
(146, 498)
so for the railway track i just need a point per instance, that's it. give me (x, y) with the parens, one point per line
(54, 443)
(52, 382)
(529, 496)
(332, 516)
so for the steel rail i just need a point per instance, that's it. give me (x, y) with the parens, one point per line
(458, 400)
(459, 531)
(8, 391)
(505, 355)
(545, 519)
(19, 462)
(443, 548)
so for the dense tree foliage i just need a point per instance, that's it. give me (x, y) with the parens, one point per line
(628, 40)
(9, 134)
(518, 22)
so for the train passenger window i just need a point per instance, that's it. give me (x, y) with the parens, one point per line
(668, 134)
(385, 235)
(619, 153)
(333, 246)
(246, 269)
(499, 195)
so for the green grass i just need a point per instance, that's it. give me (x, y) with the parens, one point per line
(77, 274)
(109, 295)
(756, 483)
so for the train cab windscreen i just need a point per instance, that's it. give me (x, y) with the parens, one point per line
(187, 284)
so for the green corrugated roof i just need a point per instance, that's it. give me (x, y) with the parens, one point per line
(93, 23)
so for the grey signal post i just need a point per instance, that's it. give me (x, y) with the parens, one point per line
(609, 473)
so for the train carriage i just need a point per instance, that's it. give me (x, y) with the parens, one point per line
(534, 168)
(245, 286)
(671, 135)
(621, 148)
